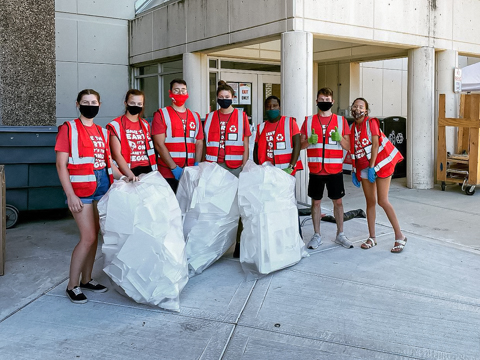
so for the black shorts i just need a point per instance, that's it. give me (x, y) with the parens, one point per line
(335, 188)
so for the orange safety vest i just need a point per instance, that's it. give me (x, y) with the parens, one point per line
(82, 159)
(234, 148)
(117, 127)
(388, 155)
(180, 142)
(329, 154)
(282, 144)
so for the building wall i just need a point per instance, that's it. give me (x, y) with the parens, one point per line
(92, 52)
(197, 25)
(27, 62)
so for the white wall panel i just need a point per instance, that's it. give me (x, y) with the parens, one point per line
(66, 39)
(402, 16)
(69, 6)
(110, 81)
(244, 15)
(119, 9)
(372, 89)
(141, 42)
(66, 89)
(102, 43)
(359, 12)
(392, 92)
(465, 21)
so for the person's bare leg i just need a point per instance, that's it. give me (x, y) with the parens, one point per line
(338, 213)
(370, 192)
(85, 220)
(90, 260)
(316, 215)
(383, 186)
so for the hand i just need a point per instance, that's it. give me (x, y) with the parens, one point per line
(288, 170)
(371, 174)
(355, 180)
(177, 172)
(313, 139)
(74, 204)
(131, 178)
(335, 135)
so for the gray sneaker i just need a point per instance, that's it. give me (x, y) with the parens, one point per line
(315, 241)
(341, 239)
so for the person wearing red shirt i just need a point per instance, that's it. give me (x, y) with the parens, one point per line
(130, 140)
(325, 136)
(227, 132)
(177, 135)
(85, 170)
(373, 159)
(271, 143)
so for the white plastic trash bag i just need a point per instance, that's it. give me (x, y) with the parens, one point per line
(270, 238)
(207, 195)
(144, 248)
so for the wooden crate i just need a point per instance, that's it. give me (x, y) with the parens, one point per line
(466, 161)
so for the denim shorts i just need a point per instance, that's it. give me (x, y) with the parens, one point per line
(103, 183)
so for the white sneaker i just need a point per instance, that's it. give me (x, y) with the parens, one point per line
(341, 239)
(315, 241)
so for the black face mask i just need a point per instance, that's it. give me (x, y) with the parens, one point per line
(134, 110)
(89, 111)
(324, 105)
(224, 103)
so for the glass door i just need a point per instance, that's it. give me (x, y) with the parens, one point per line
(246, 92)
(267, 85)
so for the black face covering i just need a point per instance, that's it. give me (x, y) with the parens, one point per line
(324, 105)
(89, 111)
(134, 110)
(224, 103)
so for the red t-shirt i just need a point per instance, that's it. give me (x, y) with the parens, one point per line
(223, 118)
(324, 121)
(63, 144)
(265, 141)
(159, 127)
(361, 161)
(136, 140)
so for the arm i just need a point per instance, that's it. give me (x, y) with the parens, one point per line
(116, 149)
(199, 150)
(73, 201)
(255, 153)
(159, 142)
(374, 153)
(296, 150)
(245, 150)
(303, 142)
(345, 142)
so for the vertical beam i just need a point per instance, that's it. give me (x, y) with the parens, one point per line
(462, 140)
(442, 145)
(195, 73)
(297, 87)
(420, 118)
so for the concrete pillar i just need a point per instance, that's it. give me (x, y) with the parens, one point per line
(195, 73)
(447, 61)
(420, 118)
(297, 87)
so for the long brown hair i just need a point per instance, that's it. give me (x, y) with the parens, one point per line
(87, 92)
(222, 85)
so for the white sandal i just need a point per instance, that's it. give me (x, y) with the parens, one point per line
(368, 244)
(399, 248)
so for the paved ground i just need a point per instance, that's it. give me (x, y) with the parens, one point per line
(336, 304)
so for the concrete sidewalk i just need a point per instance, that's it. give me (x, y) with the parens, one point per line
(336, 304)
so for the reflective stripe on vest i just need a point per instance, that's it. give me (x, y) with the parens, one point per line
(213, 146)
(330, 155)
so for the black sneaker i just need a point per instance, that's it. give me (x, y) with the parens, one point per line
(76, 295)
(94, 286)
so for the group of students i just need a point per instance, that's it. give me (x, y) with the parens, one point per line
(90, 157)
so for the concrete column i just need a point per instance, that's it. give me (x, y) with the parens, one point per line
(297, 88)
(447, 61)
(195, 73)
(420, 118)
